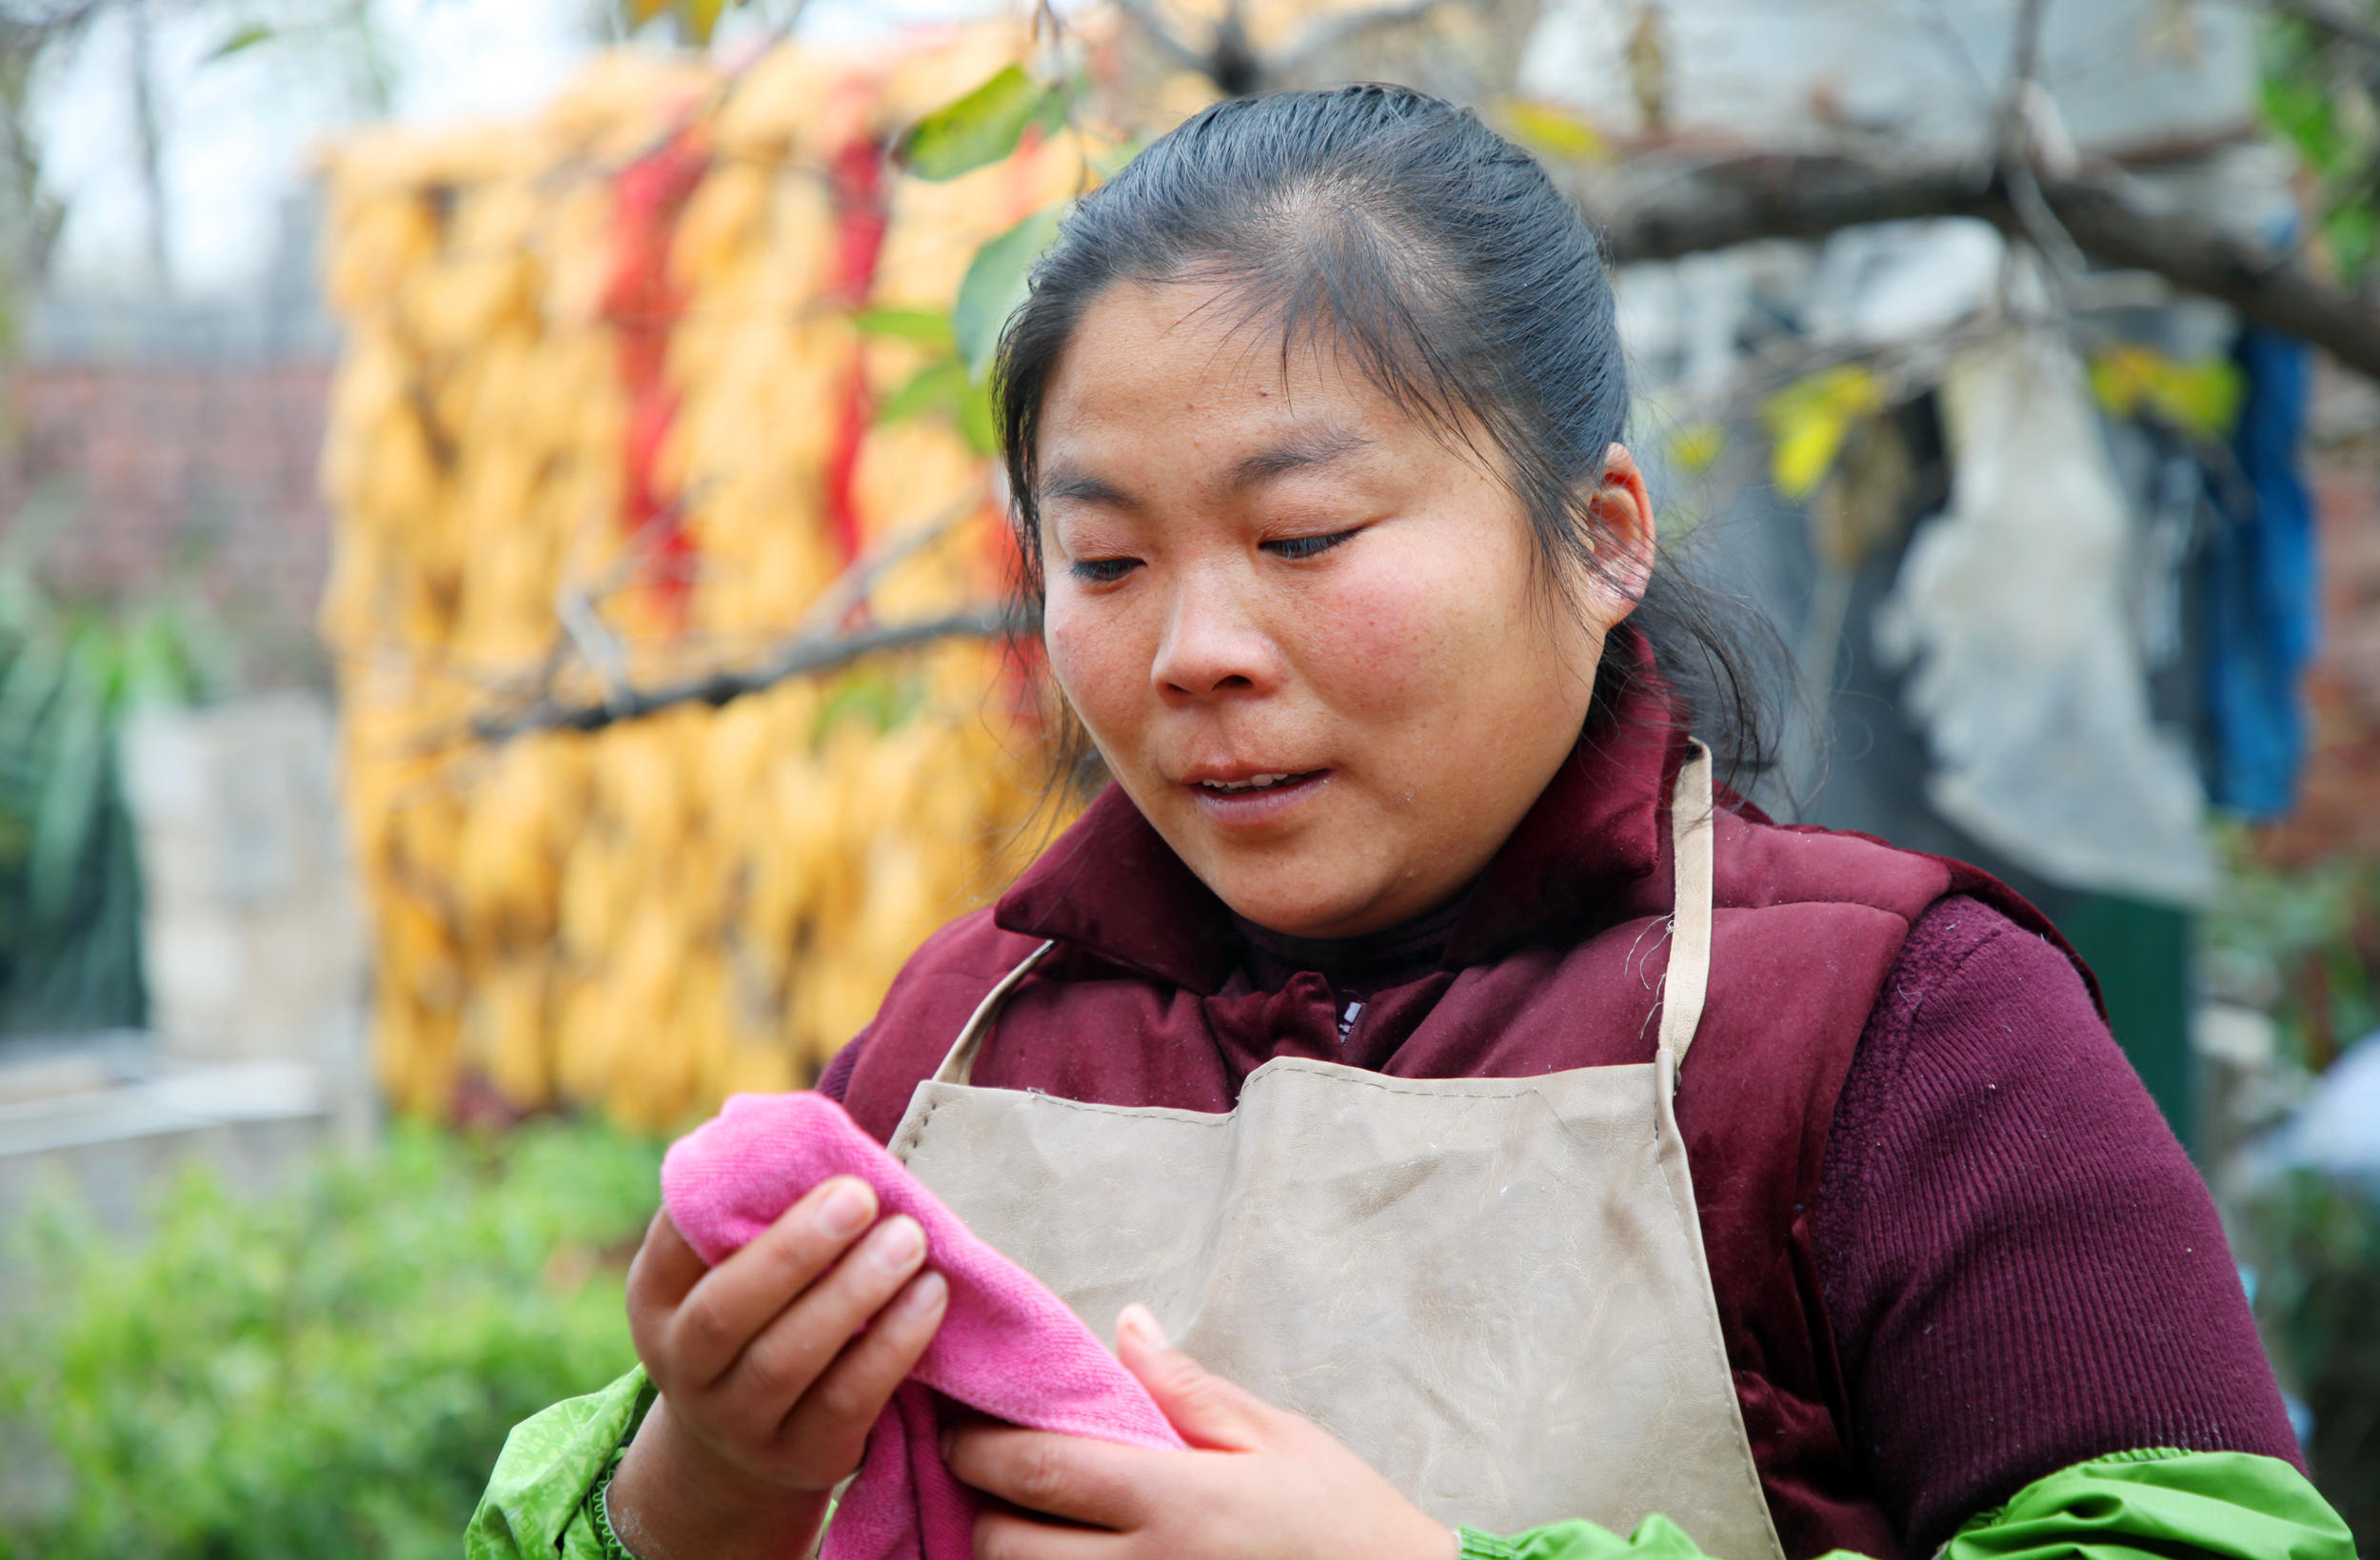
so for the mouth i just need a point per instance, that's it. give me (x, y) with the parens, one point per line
(1244, 800)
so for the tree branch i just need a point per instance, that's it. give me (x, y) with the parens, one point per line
(1142, 14)
(1331, 33)
(804, 656)
(1811, 197)
(2335, 21)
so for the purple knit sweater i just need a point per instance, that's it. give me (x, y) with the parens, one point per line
(1990, 1322)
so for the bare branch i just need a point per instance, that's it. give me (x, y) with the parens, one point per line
(1334, 32)
(850, 588)
(1811, 197)
(1231, 62)
(807, 656)
(1143, 15)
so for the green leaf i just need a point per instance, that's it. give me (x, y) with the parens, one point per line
(996, 284)
(870, 699)
(700, 17)
(906, 324)
(73, 790)
(242, 40)
(34, 679)
(980, 128)
(978, 422)
(946, 389)
(935, 387)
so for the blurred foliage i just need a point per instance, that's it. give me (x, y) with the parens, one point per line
(70, 884)
(2323, 95)
(990, 123)
(326, 1372)
(2303, 944)
(2315, 1246)
(981, 128)
(694, 21)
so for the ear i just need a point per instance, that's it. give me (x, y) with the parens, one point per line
(1621, 512)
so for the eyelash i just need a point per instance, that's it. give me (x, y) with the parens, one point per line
(1295, 547)
(1106, 571)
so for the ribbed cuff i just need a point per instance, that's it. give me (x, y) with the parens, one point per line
(599, 1512)
(1479, 1545)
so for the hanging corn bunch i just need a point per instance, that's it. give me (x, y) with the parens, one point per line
(627, 390)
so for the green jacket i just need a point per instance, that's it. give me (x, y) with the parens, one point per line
(545, 1498)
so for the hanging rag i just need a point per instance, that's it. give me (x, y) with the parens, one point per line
(1008, 1346)
(2008, 610)
(2263, 585)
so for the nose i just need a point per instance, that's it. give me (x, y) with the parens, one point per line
(1211, 646)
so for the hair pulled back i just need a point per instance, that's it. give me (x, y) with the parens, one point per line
(1399, 231)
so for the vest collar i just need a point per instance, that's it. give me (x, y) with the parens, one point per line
(1112, 887)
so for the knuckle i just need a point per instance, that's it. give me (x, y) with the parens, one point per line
(701, 1325)
(841, 1399)
(1195, 1391)
(1042, 1477)
(999, 1536)
(780, 1369)
(794, 1249)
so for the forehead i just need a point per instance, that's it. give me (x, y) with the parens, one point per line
(1186, 365)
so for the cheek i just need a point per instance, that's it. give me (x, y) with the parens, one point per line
(1097, 658)
(1407, 633)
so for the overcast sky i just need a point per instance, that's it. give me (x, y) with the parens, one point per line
(240, 130)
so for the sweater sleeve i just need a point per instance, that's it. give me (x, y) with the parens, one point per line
(2021, 1269)
(539, 1499)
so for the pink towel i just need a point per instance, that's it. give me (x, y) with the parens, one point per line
(1007, 1346)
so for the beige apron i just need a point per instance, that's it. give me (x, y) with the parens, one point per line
(1492, 1289)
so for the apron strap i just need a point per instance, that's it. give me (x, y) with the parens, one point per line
(959, 1065)
(1683, 985)
(1693, 826)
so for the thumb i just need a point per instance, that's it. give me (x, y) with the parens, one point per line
(1205, 1410)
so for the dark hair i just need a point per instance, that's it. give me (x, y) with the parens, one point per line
(1399, 230)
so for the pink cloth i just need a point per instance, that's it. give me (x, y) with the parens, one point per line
(1007, 1346)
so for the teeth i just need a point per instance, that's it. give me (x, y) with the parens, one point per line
(1255, 783)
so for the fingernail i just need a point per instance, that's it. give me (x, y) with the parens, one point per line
(846, 1210)
(1140, 1322)
(897, 1244)
(926, 1294)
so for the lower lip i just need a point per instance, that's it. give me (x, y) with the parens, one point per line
(1243, 809)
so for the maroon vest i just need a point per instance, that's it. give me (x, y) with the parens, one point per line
(1554, 963)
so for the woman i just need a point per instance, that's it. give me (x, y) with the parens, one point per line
(1368, 1024)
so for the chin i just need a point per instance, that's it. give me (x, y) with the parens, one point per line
(1292, 909)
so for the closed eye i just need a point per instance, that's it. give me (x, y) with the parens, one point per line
(1306, 546)
(1102, 571)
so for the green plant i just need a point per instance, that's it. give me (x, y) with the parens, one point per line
(2315, 1246)
(70, 883)
(2319, 94)
(2310, 936)
(329, 1371)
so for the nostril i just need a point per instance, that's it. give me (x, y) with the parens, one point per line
(1236, 681)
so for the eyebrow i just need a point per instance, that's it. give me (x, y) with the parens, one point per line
(1072, 484)
(1318, 448)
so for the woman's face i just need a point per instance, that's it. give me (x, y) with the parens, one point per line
(1311, 639)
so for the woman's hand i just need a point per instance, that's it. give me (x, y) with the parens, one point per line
(772, 1367)
(1261, 1484)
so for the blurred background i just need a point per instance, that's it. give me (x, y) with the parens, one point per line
(502, 639)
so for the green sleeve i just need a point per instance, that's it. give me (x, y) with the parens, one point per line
(551, 1468)
(2155, 1505)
